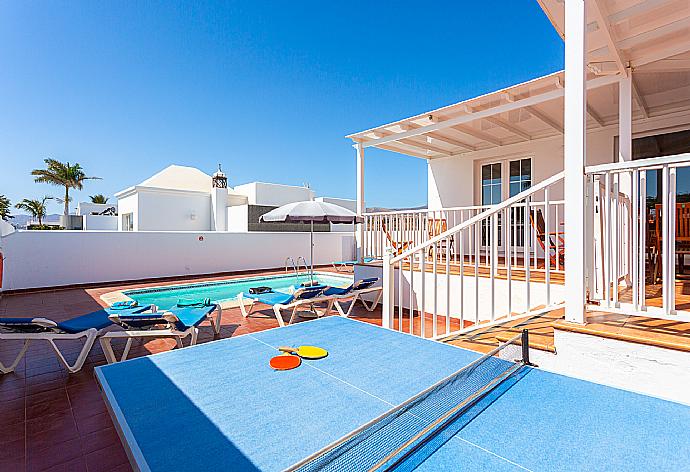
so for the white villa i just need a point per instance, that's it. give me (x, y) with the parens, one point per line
(181, 198)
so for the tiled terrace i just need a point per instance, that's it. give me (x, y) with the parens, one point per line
(52, 420)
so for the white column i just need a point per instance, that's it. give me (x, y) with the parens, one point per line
(574, 159)
(360, 199)
(625, 119)
(219, 209)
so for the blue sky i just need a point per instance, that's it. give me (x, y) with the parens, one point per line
(269, 89)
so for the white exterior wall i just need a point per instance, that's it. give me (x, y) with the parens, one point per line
(448, 182)
(238, 218)
(36, 259)
(174, 211)
(126, 205)
(261, 193)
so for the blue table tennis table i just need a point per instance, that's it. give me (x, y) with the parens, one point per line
(219, 406)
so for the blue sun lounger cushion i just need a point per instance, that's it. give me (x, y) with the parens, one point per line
(124, 305)
(359, 285)
(97, 320)
(280, 298)
(181, 318)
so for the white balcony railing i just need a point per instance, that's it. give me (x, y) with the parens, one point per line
(636, 240)
(495, 264)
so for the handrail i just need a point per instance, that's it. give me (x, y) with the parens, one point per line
(629, 165)
(430, 210)
(491, 211)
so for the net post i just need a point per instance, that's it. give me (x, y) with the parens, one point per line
(525, 347)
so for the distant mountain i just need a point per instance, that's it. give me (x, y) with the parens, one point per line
(20, 221)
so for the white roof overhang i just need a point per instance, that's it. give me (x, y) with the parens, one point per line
(650, 38)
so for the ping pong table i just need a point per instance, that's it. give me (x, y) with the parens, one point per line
(219, 406)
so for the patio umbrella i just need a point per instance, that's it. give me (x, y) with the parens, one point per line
(311, 212)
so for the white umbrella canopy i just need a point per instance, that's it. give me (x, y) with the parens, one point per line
(311, 212)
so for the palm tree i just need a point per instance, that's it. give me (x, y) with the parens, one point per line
(36, 208)
(5, 208)
(99, 198)
(62, 175)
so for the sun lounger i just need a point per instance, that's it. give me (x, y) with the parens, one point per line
(177, 323)
(88, 326)
(302, 296)
(355, 292)
(342, 265)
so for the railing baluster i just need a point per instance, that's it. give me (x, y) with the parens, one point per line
(422, 298)
(547, 245)
(434, 329)
(509, 243)
(448, 285)
(492, 267)
(643, 238)
(672, 214)
(412, 297)
(617, 238)
(476, 273)
(635, 238)
(606, 221)
(401, 278)
(527, 247)
(462, 280)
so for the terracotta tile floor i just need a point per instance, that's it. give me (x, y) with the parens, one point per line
(52, 420)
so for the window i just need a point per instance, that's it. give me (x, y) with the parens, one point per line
(520, 176)
(128, 222)
(491, 184)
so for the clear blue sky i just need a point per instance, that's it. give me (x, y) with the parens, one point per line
(267, 88)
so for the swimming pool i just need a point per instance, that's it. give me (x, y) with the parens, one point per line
(227, 290)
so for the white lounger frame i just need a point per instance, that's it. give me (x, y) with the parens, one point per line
(357, 295)
(295, 305)
(170, 332)
(51, 336)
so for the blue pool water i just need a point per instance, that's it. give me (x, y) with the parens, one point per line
(224, 290)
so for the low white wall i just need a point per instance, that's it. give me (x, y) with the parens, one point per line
(36, 259)
(100, 222)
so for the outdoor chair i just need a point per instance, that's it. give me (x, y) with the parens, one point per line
(302, 296)
(681, 240)
(342, 266)
(88, 326)
(558, 256)
(177, 323)
(436, 226)
(355, 292)
(398, 246)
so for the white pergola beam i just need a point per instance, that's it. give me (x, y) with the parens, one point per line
(667, 65)
(673, 49)
(545, 119)
(495, 120)
(601, 17)
(506, 107)
(638, 9)
(438, 137)
(639, 98)
(477, 134)
(651, 35)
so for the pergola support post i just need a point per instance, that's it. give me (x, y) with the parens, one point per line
(574, 158)
(359, 243)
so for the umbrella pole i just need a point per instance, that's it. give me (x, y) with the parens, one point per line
(311, 252)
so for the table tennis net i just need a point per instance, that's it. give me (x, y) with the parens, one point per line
(386, 441)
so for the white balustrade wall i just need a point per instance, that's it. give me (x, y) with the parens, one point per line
(40, 259)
